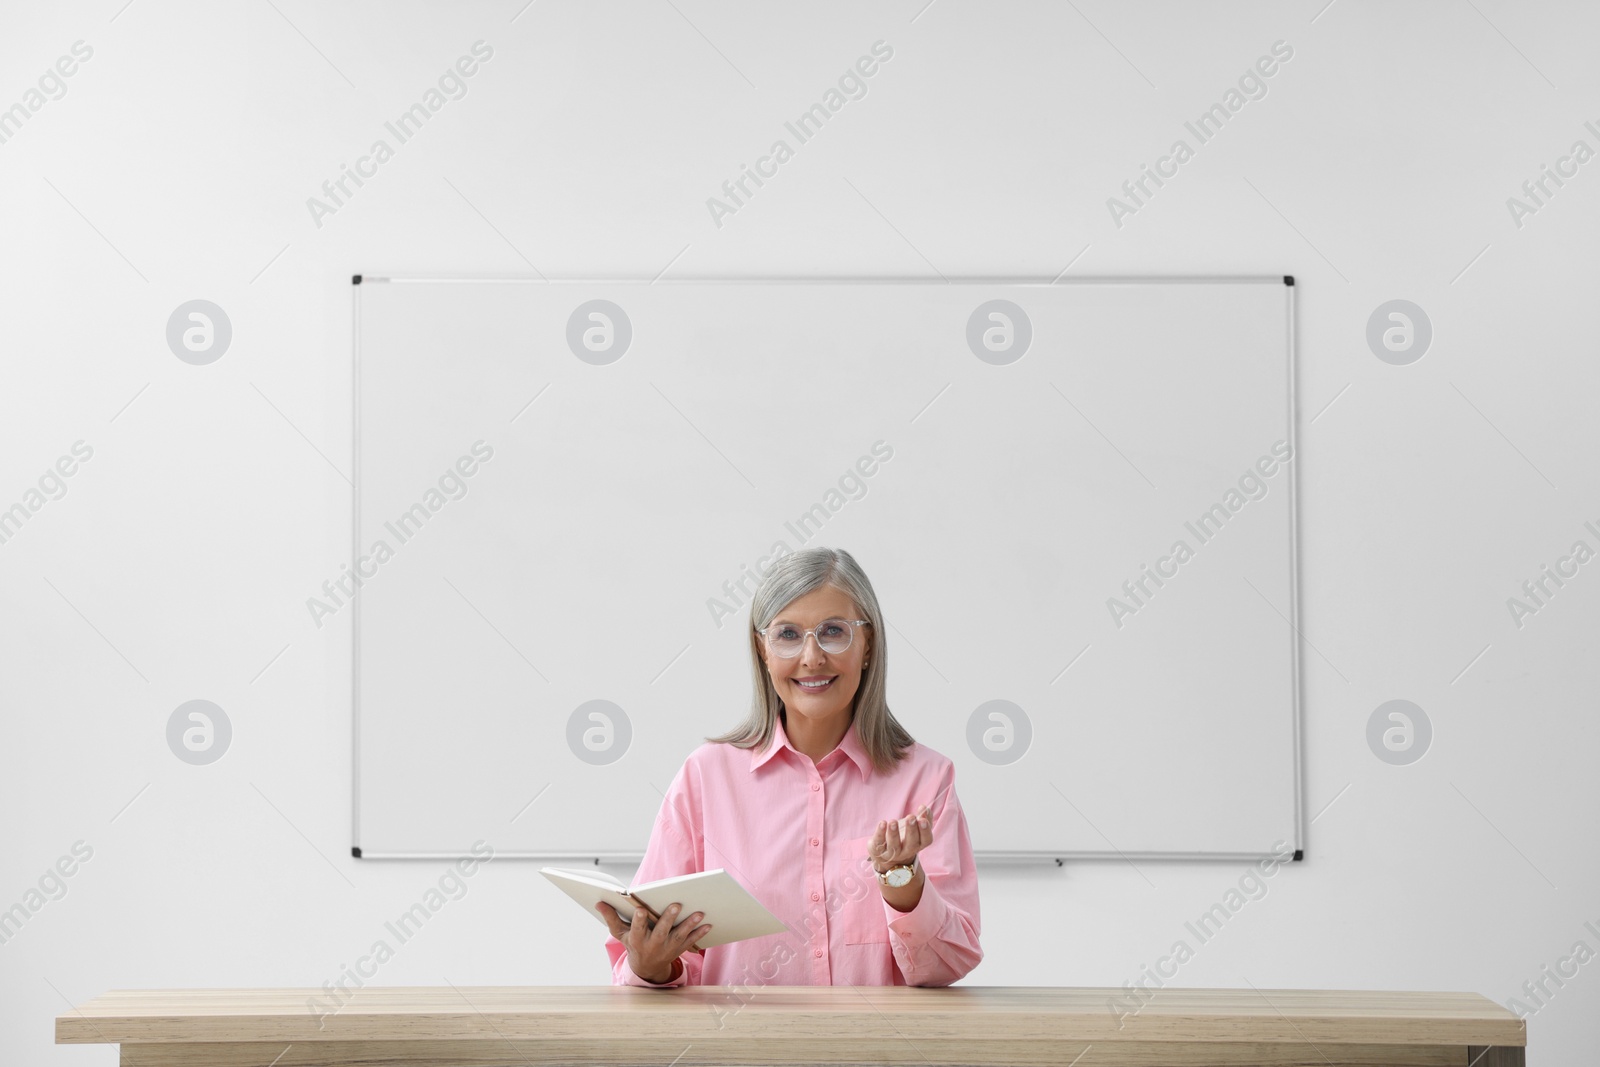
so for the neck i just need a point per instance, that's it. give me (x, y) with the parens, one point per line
(816, 737)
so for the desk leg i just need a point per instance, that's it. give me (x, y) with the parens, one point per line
(1496, 1056)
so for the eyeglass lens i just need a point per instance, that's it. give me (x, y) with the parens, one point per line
(834, 635)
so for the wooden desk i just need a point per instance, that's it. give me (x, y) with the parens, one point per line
(901, 1026)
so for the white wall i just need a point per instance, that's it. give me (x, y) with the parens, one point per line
(1378, 166)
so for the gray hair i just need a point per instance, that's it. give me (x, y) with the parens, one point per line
(792, 576)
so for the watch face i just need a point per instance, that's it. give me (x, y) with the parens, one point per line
(899, 876)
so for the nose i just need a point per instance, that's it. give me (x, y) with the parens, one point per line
(806, 644)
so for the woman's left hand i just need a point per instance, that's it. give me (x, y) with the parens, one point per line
(898, 841)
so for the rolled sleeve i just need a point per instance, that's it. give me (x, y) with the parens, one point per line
(669, 854)
(936, 942)
(622, 974)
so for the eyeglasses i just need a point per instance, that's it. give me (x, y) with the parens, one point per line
(833, 635)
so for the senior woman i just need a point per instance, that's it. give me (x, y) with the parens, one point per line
(822, 805)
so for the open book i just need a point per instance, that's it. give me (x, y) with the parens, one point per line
(734, 914)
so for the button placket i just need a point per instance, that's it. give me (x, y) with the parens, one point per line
(815, 811)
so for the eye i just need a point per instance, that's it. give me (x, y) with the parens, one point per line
(834, 629)
(787, 633)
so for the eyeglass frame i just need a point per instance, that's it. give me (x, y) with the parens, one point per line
(813, 632)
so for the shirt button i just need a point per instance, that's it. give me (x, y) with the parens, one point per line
(818, 952)
(816, 896)
(813, 840)
(815, 786)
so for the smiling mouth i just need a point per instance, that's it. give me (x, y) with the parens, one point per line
(817, 688)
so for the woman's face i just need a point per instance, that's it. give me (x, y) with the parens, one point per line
(843, 669)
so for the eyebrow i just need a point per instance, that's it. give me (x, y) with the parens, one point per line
(791, 622)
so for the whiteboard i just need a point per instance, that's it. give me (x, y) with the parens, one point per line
(561, 485)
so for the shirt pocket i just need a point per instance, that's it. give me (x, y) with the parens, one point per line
(861, 918)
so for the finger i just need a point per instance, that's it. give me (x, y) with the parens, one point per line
(669, 919)
(892, 837)
(694, 931)
(639, 927)
(686, 929)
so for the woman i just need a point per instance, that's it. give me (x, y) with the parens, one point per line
(821, 805)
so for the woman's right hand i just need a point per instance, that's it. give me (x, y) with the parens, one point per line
(653, 946)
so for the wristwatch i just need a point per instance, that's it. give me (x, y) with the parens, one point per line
(898, 875)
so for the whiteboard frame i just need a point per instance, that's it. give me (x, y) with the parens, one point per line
(599, 857)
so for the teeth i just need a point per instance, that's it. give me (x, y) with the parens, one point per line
(815, 685)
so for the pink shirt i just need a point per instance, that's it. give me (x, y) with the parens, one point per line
(794, 833)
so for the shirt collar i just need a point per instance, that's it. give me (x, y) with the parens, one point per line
(850, 744)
